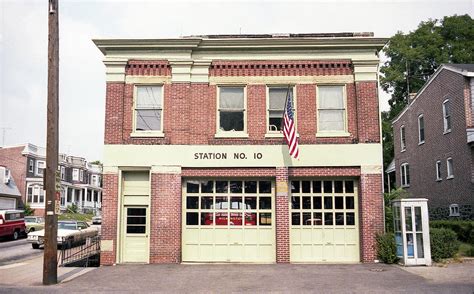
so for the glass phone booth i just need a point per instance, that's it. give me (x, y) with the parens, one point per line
(412, 232)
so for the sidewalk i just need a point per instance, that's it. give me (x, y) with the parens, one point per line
(277, 278)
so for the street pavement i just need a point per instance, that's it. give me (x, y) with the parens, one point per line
(276, 278)
(15, 251)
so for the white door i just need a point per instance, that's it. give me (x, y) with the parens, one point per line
(228, 221)
(135, 234)
(324, 222)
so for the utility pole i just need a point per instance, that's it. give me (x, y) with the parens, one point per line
(50, 260)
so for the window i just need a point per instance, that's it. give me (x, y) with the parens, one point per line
(35, 194)
(446, 116)
(81, 175)
(40, 165)
(149, 108)
(63, 173)
(231, 109)
(438, 170)
(136, 220)
(331, 109)
(405, 175)
(402, 139)
(449, 165)
(31, 166)
(276, 107)
(75, 174)
(454, 210)
(421, 129)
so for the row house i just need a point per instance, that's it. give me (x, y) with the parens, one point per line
(196, 168)
(80, 180)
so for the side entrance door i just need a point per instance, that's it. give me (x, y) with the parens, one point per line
(135, 234)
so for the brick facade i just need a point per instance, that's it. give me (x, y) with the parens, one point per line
(12, 159)
(438, 146)
(109, 218)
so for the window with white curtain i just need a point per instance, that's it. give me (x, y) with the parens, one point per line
(331, 109)
(40, 166)
(231, 109)
(148, 108)
(75, 174)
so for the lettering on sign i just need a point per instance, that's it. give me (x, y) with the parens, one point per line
(225, 155)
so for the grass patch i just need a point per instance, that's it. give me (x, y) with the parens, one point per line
(76, 216)
(466, 249)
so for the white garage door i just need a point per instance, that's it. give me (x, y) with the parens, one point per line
(228, 221)
(7, 203)
(324, 222)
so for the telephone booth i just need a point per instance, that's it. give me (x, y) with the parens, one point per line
(412, 233)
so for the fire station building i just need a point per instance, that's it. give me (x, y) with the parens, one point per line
(196, 168)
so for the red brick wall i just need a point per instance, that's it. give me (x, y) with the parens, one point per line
(368, 112)
(16, 163)
(282, 218)
(228, 172)
(370, 214)
(114, 120)
(165, 234)
(109, 216)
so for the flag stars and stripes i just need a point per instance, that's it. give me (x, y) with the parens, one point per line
(289, 130)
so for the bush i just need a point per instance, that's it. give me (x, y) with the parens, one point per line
(386, 248)
(72, 208)
(388, 197)
(444, 243)
(464, 229)
(28, 210)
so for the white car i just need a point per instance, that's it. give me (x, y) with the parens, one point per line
(69, 233)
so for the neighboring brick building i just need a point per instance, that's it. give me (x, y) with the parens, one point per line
(435, 160)
(80, 180)
(196, 168)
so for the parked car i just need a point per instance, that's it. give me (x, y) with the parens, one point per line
(97, 220)
(70, 232)
(12, 223)
(34, 223)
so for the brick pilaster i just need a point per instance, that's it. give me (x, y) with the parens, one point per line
(282, 216)
(109, 219)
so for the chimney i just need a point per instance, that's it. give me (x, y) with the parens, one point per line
(411, 96)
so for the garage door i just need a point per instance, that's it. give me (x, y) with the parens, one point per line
(7, 203)
(228, 221)
(324, 222)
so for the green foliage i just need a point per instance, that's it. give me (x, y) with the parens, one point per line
(388, 197)
(466, 249)
(72, 208)
(422, 51)
(464, 229)
(28, 210)
(444, 243)
(87, 217)
(97, 162)
(386, 248)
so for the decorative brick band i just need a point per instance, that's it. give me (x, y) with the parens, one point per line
(228, 172)
(148, 68)
(324, 172)
(281, 68)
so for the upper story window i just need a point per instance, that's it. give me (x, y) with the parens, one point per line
(454, 210)
(81, 175)
(31, 165)
(40, 166)
(75, 174)
(276, 106)
(35, 194)
(63, 173)
(438, 170)
(405, 175)
(449, 165)
(95, 180)
(421, 129)
(331, 109)
(403, 143)
(148, 108)
(447, 116)
(231, 109)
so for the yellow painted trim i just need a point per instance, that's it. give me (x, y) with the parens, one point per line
(166, 169)
(332, 134)
(147, 134)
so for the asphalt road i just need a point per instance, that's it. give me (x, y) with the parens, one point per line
(15, 251)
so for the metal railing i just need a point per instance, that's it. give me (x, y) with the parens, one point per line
(85, 253)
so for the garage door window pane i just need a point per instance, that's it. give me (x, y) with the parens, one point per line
(250, 202)
(235, 187)
(327, 186)
(338, 187)
(265, 187)
(327, 202)
(250, 186)
(250, 219)
(265, 202)
(192, 218)
(317, 187)
(349, 187)
(317, 203)
(339, 219)
(207, 186)
(265, 219)
(339, 202)
(206, 203)
(328, 219)
(307, 218)
(295, 219)
(350, 220)
(317, 218)
(222, 187)
(295, 186)
(349, 202)
(192, 187)
(207, 219)
(306, 186)
(192, 202)
(306, 202)
(221, 218)
(236, 203)
(295, 202)
(221, 203)
(235, 219)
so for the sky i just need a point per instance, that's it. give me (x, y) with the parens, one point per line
(24, 36)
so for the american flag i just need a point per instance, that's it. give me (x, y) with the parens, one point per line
(289, 130)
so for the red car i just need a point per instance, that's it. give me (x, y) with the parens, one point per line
(12, 223)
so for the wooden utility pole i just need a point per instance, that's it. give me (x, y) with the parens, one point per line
(50, 260)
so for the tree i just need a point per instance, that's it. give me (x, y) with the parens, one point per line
(414, 57)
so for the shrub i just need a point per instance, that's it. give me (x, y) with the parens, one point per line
(388, 197)
(444, 243)
(72, 208)
(464, 229)
(28, 210)
(386, 248)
